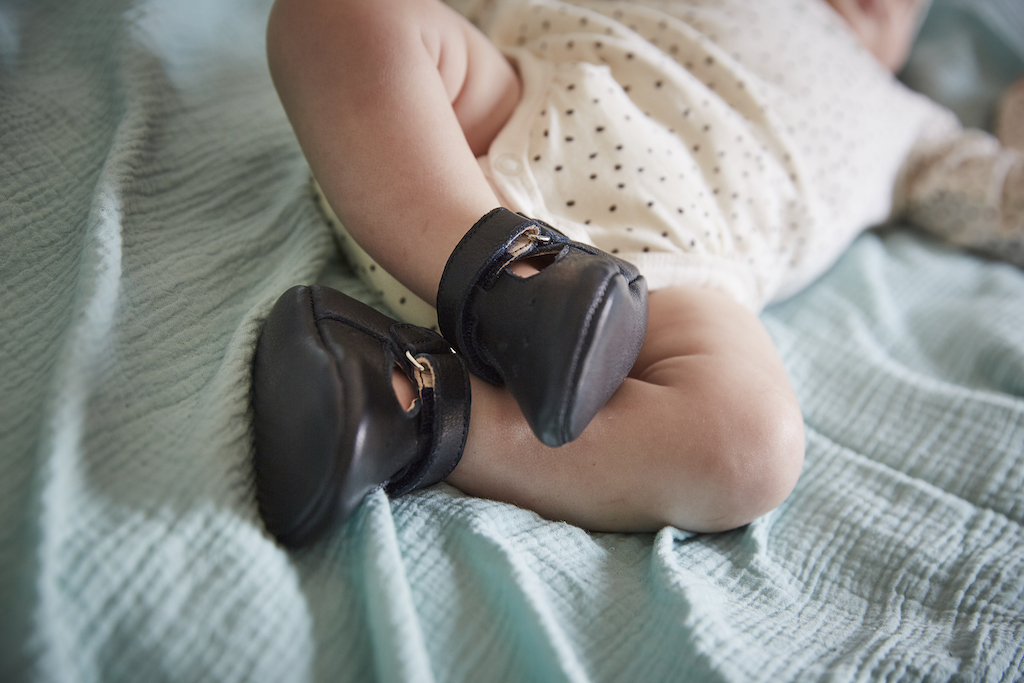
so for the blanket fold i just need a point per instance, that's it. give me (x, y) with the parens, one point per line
(154, 204)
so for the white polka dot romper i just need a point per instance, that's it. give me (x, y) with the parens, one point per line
(729, 144)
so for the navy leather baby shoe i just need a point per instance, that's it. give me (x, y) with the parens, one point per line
(328, 427)
(562, 340)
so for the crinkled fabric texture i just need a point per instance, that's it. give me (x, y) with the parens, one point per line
(153, 205)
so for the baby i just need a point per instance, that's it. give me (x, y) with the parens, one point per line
(727, 152)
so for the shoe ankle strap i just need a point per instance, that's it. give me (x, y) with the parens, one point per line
(442, 379)
(496, 240)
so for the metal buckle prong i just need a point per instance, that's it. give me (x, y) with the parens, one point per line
(412, 359)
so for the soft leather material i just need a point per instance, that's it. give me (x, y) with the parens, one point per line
(328, 427)
(561, 341)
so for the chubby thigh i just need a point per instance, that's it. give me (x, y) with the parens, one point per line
(705, 434)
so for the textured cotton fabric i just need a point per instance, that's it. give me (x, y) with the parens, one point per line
(153, 205)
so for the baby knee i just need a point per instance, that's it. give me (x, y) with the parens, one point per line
(779, 458)
(748, 461)
(759, 460)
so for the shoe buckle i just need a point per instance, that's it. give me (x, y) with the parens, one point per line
(523, 244)
(424, 373)
(412, 359)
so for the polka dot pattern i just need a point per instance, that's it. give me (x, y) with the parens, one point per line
(730, 144)
(723, 143)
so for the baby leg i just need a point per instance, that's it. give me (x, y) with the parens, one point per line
(391, 101)
(706, 434)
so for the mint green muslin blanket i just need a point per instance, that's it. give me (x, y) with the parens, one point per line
(153, 205)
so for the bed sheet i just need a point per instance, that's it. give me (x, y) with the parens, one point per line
(153, 205)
